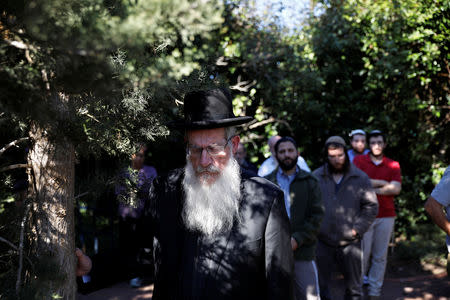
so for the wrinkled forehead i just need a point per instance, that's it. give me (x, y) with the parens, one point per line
(205, 136)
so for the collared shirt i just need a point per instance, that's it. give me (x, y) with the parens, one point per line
(388, 170)
(442, 195)
(284, 181)
(352, 154)
(270, 164)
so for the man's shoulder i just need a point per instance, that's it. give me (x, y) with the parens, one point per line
(391, 164)
(304, 175)
(267, 167)
(260, 185)
(355, 171)
(148, 168)
(171, 177)
(361, 159)
(318, 172)
(441, 191)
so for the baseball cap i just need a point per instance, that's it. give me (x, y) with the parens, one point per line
(336, 140)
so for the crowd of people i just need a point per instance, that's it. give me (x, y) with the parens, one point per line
(224, 229)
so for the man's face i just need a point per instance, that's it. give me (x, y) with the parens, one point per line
(377, 145)
(240, 154)
(287, 156)
(137, 159)
(358, 143)
(336, 158)
(209, 152)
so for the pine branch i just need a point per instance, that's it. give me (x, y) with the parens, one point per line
(270, 120)
(16, 166)
(8, 243)
(243, 86)
(262, 123)
(15, 248)
(80, 195)
(17, 44)
(22, 46)
(13, 143)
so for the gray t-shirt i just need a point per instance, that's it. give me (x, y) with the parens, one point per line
(442, 195)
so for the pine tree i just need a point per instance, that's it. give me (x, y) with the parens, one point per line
(88, 76)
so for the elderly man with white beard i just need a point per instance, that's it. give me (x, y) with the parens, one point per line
(222, 234)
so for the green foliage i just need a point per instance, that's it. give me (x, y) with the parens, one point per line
(100, 72)
(109, 74)
(102, 75)
(426, 244)
(357, 64)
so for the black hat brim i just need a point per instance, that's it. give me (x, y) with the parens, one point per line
(210, 124)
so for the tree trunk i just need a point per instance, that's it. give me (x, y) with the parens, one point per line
(53, 231)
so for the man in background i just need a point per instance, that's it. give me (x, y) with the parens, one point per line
(385, 176)
(132, 194)
(358, 143)
(241, 157)
(271, 163)
(435, 205)
(303, 203)
(350, 208)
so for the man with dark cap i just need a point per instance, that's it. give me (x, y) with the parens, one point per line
(222, 234)
(350, 208)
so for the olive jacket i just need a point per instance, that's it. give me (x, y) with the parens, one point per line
(306, 211)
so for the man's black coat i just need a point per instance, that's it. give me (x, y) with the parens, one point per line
(252, 261)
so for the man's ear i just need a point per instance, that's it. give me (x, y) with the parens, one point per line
(235, 142)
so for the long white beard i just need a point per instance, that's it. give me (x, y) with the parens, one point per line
(213, 208)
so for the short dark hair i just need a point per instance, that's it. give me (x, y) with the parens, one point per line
(375, 133)
(283, 140)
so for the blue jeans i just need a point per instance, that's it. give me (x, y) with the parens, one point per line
(375, 248)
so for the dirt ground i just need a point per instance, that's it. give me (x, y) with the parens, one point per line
(426, 287)
(403, 281)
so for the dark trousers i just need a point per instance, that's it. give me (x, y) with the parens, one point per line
(348, 261)
(129, 247)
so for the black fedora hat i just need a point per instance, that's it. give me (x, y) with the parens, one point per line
(209, 109)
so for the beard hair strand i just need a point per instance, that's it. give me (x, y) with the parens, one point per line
(212, 209)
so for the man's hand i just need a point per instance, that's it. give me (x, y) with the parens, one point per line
(84, 263)
(354, 234)
(294, 244)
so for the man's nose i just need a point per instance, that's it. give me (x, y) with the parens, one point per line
(205, 158)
